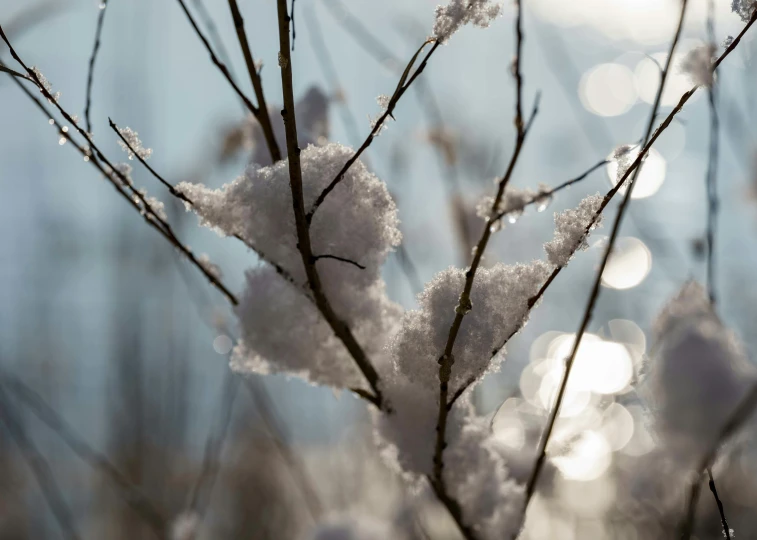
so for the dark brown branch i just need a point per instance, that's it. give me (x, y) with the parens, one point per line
(257, 112)
(43, 474)
(92, 59)
(404, 83)
(262, 110)
(339, 327)
(139, 503)
(15, 73)
(337, 258)
(541, 451)
(123, 184)
(464, 306)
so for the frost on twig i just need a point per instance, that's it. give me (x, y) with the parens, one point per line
(744, 8)
(134, 146)
(45, 83)
(281, 329)
(698, 374)
(450, 18)
(570, 230)
(699, 64)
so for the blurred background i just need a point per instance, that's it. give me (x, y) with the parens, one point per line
(114, 352)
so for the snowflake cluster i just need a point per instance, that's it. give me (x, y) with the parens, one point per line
(744, 8)
(571, 230)
(281, 328)
(699, 65)
(457, 13)
(132, 137)
(45, 83)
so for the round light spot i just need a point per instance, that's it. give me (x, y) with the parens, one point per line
(617, 426)
(628, 265)
(648, 79)
(603, 367)
(222, 344)
(587, 458)
(608, 90)
(650, 178)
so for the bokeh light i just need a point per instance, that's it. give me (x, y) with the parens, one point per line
(608, 90)
(586, 458)
(651, 176)
(628, 265)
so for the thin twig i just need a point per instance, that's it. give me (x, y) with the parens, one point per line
(10, 71)
(337, 258)
(464, 306)
(91, 71)
(43, 474)
(145, 209)
(256, 111)
(546, 195)
(132, 495)
(178, 194)
(404, 83)
(339, 327)
(541, 451)
(262, 109)
(712, 214)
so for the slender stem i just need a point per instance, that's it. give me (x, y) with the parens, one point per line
(92, 59)
(541, 452)
(262, 114)
(214, 58)
(541, 196)
(339, 327)
(43, 474)
(15, 73)
(405, 82)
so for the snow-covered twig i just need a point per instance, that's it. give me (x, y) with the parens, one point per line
(339, 327)
(446, 360)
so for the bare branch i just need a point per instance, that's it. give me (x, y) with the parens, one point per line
(262, 114)
(340, 328)
(337, 258)
(92, 59)
(404, 83)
